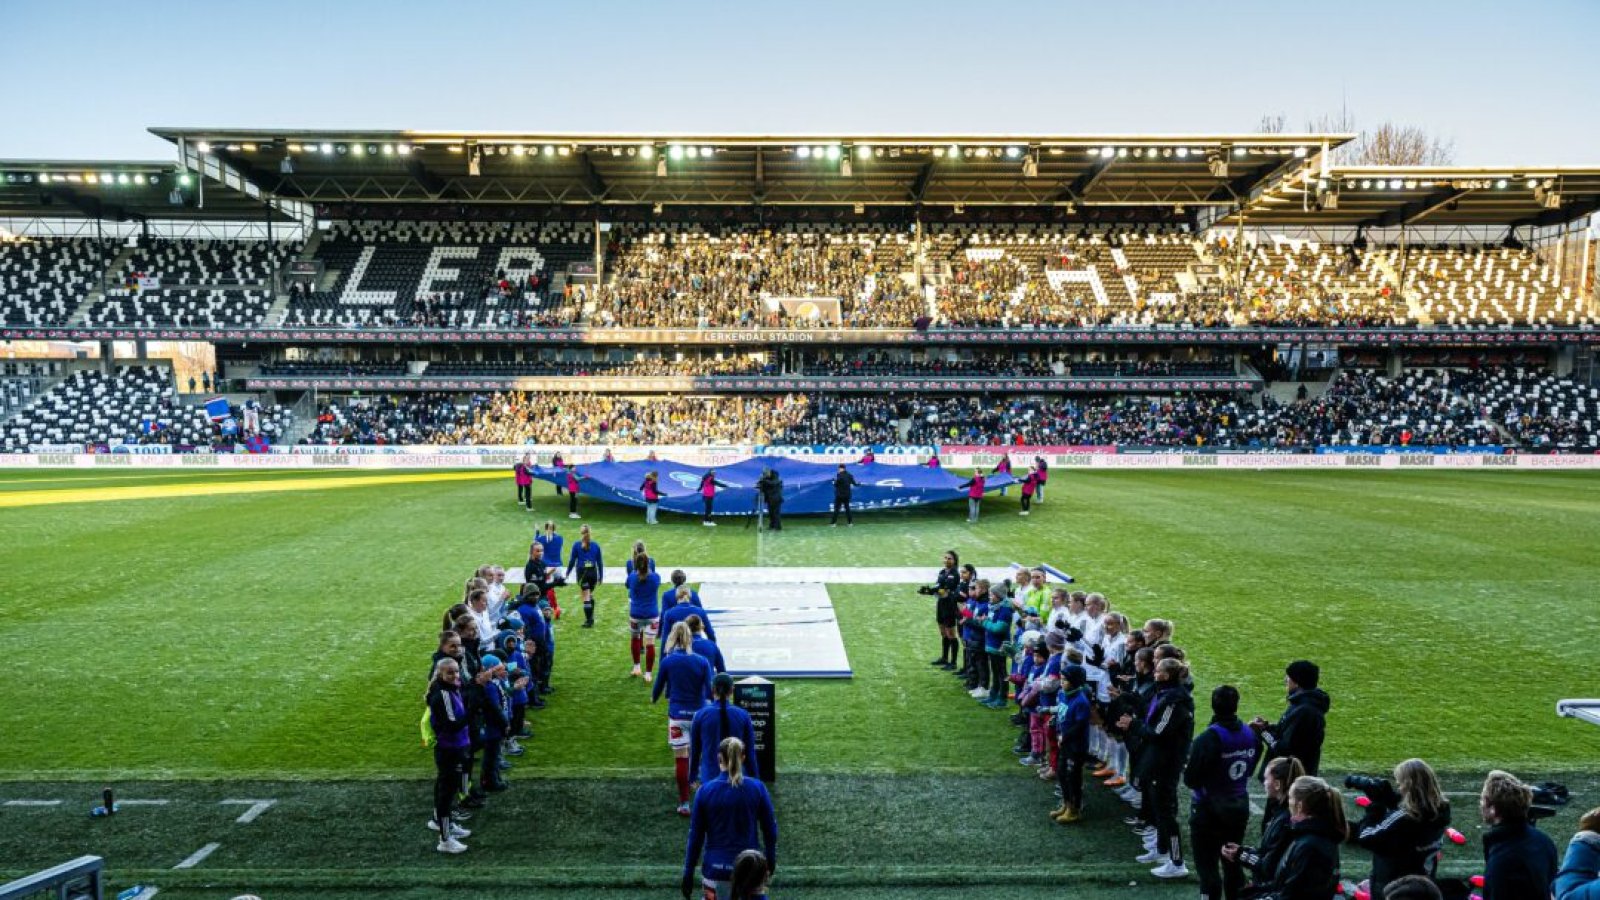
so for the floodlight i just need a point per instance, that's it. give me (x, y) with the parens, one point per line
(863, 151)
(1396, 184)
(203, 147)
(1239, 151)
(519, 150)
(357, 149)
(44, 177)
(833, 152)
(1013, 152)
(184, 179)
(106, 177)
(705, 152)
(341, 149)
(675, 151)
(1300, 153)
(802, 152)
(1107, 152)
(1501, 184)
(403, 149)
(1181, 152)
(295, 148)
(388, 149)
(564, 151)
(327, 148)
(647, 151)
(549, 150)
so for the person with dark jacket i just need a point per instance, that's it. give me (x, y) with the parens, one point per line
(1404, 832)
(1164, 732)
(1519, 859)
(771, 487)
(1309, 869)
(1072, 733)
(843, 483)
(1300, 731)
(1221, 762)
(1262, 859)
(447, 717)
(947, 593)
(1579, 878)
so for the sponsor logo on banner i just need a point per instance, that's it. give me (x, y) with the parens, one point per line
(1200, 460)
(55, 448)
(109, 459)
(329, 459)
(200, 459)
(56, 459)
(1364, 459)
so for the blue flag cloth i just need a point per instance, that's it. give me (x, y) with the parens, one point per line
(807, 486)
(230, 426)
(217, 408)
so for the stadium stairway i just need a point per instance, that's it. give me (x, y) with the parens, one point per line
(279, 310)
(1287, 392)
(112, 275)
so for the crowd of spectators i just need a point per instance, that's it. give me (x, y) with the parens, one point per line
(574, 418)
(402, 419)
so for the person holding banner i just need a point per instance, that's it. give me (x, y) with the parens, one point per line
(651, 490)
(708, 494)
(974, 487)
(523, 471)
(572, 491)
(843, 483)
(1042, 471)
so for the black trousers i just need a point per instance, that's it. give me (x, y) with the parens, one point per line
(842, 505)
(450, 765)
(1069, 775)
(525, 495)
(1027, 501)
(997, 676)
(707, 501)
(490, 776)
(1160, 808)
(1213, 823)
(978, 663)
(572, 502)
(775, 516)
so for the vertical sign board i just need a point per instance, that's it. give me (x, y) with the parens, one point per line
(759, 697)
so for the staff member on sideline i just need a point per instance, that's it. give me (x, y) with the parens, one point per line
(587, 559)
(1300, 731)
(524, 475)
(946, 611)
(686, 679)
(1519, 859)
(447, 716)
(727, 813)
(1221, 761)
(843, 483)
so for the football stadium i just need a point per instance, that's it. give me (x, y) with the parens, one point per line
(548, 513)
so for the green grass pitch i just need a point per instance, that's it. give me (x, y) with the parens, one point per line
(275, 644)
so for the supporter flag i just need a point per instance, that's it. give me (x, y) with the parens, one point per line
(149, 426)
(229, 426)
(217, 408)
(256, 444)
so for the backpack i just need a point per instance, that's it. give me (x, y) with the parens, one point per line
(426, 727)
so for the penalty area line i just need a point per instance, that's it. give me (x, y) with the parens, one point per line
(257, 807)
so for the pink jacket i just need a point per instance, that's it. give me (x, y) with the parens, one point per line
(524, 475)
(975, 490)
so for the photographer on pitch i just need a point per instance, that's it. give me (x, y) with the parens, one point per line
(771, 487)
(1404, 825)
(1301, 729)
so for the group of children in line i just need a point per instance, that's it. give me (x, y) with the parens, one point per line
(493, 664)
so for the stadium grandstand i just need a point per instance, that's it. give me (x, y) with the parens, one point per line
(1195, 291)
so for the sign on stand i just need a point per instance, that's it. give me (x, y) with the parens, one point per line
(759, 697)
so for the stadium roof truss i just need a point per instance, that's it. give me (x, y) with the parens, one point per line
(956, 170)
(124, 191)
(1390, 197)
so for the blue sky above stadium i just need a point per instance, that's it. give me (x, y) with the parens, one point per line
(1507, 83)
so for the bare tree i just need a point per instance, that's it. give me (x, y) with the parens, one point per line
(1401, 145)
(1273, 123)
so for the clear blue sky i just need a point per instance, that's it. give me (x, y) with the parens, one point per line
(1509, 83)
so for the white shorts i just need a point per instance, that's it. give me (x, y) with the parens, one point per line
(678, 733)
(646, 628)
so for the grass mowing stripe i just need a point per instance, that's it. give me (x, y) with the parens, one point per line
(167, 491)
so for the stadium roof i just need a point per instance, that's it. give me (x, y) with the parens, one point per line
(1415, 196)
(123, 191)
(371, 167)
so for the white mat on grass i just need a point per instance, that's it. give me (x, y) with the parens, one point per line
(777, 630)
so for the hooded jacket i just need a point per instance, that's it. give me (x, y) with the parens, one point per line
(1309, 869)
(1165, 731)
(1300, 731)
(1262, 861)
(1579, 878)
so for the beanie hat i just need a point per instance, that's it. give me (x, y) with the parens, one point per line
(513, 623)
(1075, 675)
(1304, 672)
(1055, 640)
(489, 661)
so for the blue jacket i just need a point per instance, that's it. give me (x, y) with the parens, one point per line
(578, 557)
(724, 822)
(707, 732)
(1579, 878)
(686, 680)
(496, 709)
(972, 629)
(642, 593)
(1072, 722)
(628, 567)
(713, 654)
(551, 545)
(998, 628)
(535, 626)
(677, 612)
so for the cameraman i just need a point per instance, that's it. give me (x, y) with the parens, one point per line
(947, 591)
(1519, 859)
(771, 487)
(1404, 825)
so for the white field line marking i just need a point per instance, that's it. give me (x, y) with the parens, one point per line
(257, 807)
(196, 857)
(147, 893)
(33, 802)
(143, 802)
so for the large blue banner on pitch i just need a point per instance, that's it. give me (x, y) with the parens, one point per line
(807, 487)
